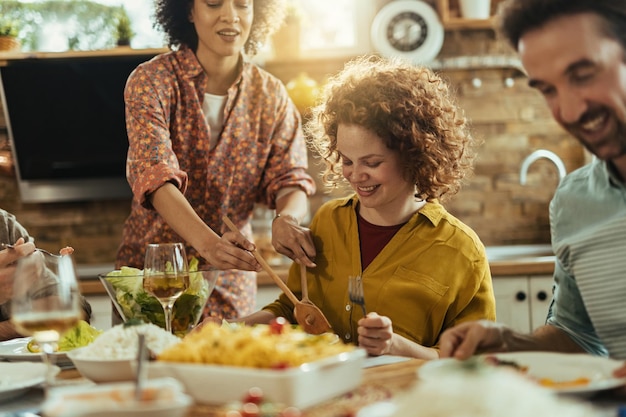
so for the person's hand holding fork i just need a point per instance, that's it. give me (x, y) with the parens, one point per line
(8, 257)
(375, 334)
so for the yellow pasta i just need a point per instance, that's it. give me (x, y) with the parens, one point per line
(253, 346)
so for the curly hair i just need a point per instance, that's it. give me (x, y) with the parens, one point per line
(410, 108)
(516, 17)
(172, 17)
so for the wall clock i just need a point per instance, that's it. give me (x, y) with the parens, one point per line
(408, 29)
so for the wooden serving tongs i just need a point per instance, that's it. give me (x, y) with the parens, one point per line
(307, 314)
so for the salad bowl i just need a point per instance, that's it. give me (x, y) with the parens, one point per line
(125, 289)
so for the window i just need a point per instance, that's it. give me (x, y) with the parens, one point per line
(335, 27)
(56, 26)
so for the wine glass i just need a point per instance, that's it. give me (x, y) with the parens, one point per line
(166, 275)
(45, 302)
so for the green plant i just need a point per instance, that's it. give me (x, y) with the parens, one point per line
(9, 28)
(123, 31)
(89, 25)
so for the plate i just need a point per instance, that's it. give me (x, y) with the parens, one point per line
(379, 409)
(559, 367)
(161, 398)
(17, 378)
(372, 361)
(15, 350)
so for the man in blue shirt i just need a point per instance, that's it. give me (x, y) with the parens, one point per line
(574, 52)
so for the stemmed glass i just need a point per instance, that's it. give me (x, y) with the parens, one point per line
(45, 302)
(166, 275)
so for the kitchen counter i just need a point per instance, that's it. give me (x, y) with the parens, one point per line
(539, 265)
(505, 261)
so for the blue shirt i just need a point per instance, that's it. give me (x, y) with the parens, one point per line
(585, 199)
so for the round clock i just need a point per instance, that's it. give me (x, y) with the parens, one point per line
(409, 29)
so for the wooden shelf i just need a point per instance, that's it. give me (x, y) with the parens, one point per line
(451, 19)
(7, 57)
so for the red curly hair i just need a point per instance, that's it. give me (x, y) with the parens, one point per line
(410, 108)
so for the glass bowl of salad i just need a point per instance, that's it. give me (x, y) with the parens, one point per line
(125, 288)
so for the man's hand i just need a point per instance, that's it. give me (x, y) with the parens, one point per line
(466, 339)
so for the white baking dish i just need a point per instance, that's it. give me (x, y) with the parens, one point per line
(303, 386)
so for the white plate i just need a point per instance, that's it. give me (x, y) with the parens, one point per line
(372, 361)
(17, 378)
(162, 398)
(379, 409)
(559, 367)
(15, 350)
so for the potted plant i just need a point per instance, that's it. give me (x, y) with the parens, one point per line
(123, 30)
(9, 30)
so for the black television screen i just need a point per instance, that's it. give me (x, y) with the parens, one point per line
(65, 120)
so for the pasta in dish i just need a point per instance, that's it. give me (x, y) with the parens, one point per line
(259, 346)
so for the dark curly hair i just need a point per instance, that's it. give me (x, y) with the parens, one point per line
(410, 108)
(516, 17)
(172, 17)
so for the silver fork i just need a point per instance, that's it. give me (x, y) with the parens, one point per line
(355, 292)
(45, 252)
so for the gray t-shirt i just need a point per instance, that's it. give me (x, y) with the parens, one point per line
(585, 199)
(10, 231)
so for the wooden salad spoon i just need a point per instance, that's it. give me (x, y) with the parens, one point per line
(317, 321)
(307, 314)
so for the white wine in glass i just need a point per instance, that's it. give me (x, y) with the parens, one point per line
(166, 275)
(45, 302)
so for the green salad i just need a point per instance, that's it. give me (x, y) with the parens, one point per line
(126, 287)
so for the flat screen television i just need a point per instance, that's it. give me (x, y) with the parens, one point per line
(66, 125)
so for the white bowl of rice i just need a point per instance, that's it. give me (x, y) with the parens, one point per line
(111, 357)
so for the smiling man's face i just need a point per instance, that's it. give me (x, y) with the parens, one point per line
(581, 73)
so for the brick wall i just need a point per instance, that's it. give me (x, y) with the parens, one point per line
(512, 122)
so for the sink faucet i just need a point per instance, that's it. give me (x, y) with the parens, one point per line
(538, 154)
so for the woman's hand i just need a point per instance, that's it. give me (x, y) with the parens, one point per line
(375, 334)
(293, 240)
(232, 251)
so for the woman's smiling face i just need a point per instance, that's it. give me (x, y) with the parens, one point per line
(223, 26)
(375, 173)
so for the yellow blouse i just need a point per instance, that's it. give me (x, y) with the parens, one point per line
(431, 276)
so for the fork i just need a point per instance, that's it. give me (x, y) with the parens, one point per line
(355, 292)
(45, 252)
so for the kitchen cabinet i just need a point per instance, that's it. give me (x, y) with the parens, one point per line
(522, 301)
(449, 12)
(266, 294)
(100, 310)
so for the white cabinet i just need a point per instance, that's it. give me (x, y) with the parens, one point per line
(100, 311)
(266, 294)
(522, 301)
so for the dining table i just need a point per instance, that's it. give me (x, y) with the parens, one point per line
(380, 383)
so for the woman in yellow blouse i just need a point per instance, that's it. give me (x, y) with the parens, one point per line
(392, 131)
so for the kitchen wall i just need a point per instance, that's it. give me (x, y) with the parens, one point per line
(512, 121)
